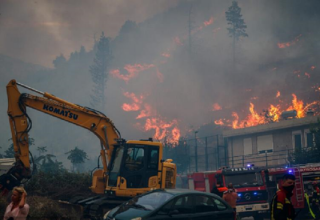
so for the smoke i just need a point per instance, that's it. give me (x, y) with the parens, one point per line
(38, 31)
(184, 73)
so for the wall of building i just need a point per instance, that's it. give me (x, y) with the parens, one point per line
(283, 146)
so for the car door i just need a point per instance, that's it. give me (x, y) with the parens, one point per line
(180, 208)
(208, 208)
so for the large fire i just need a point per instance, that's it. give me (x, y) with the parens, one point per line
(162, 129)
(272, 114)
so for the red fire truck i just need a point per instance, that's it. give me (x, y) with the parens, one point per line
(250, 183)
(256, 186)
(305, 175)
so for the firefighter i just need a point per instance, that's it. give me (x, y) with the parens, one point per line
(315, 200)
(281, 206)
(307, 205)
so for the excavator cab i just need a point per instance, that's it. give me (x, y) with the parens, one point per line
(136, 167)
(135, 163)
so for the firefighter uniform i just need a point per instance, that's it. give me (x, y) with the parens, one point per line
(315, 201)
(281, 206)
(306, 197)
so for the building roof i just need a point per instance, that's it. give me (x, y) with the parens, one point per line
(283, 124)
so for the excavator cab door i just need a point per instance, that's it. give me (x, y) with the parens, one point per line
(140, 162)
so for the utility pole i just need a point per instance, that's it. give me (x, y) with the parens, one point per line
(206, 151)
(196, 150)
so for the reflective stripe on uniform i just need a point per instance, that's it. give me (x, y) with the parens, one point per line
(279, 205)
(308, 202)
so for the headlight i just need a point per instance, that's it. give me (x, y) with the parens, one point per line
(138, 218)
(106, 215)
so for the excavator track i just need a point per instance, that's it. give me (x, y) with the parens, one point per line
(96, 206)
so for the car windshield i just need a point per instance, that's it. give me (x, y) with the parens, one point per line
(149, 201)
(248, 179)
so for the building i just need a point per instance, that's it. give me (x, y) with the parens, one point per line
(269, 144)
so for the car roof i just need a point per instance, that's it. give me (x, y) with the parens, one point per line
(177, 192)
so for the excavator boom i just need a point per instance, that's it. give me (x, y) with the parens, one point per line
(20, 125)
(129, 168)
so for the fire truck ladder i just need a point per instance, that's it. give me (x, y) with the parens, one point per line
(299, 187)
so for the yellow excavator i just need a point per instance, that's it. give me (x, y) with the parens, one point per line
(130, 167)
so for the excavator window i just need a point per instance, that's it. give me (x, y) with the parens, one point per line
(115, 165)
(134, 160)
(154, 157)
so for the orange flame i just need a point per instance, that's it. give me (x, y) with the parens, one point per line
(288, 44)
(278, 94)
(307, 75)
(135, 106)
(146, 112)
(312, 67)
(132, 70)
(130, 107)
(298, 106)
(272, 114)
(161, 129)
(210, 21)
(219, 122)
(216, 107)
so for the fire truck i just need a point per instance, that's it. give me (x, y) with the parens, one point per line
(256, 186)
(305, 175)
(250, 182)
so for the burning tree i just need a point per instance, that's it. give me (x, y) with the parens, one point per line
(99, 70)
(238, 27)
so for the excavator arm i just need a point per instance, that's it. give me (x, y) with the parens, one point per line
(21, 124)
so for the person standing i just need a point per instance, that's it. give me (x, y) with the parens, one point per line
(315, 200)
(281, 206)
(215, 190)
(230, 196)
(18, 209)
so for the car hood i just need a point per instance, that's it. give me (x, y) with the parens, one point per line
(127, 212)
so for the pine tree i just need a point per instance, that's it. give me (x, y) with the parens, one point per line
(59, 61)
(238, 26)
(99, 71)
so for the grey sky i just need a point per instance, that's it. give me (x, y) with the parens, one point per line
(36, 31)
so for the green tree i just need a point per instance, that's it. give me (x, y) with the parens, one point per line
(238, 26)
(310, 154)
(46, 163)
(99, 71)
(42, 150)
(77, 157)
